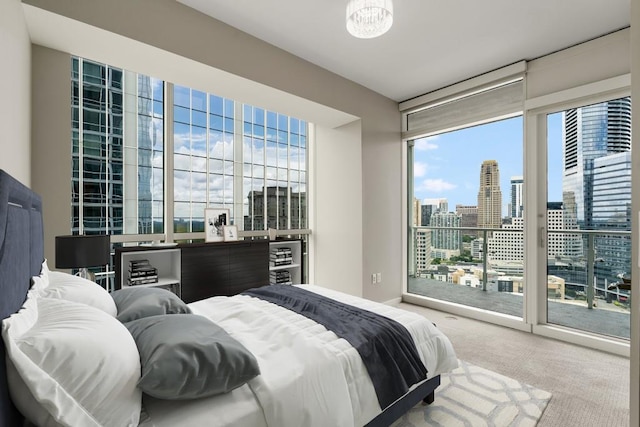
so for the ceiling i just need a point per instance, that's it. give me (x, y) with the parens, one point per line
(431, 44)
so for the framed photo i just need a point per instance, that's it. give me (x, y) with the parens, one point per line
(230, 233)
(214, 221)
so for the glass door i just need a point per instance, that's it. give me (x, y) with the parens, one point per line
(466, 242)
(589, 217)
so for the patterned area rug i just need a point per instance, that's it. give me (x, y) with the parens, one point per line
(471, 396)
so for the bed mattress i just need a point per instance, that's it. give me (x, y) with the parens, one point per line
(309, 376)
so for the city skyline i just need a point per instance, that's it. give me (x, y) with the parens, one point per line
(448, 165)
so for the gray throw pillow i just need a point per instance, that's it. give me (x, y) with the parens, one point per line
(188, 356)
(135, 303)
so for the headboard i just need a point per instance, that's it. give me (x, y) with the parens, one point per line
(21, 257)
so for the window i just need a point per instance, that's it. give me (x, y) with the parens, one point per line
(467, 223)
(225, 155)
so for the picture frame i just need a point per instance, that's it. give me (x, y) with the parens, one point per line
(230, 233)
(214, 221)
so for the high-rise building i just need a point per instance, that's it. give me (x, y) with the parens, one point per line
(508, 245)
(276, 200)
(415, 216)
(589, 133)
(489, 196)
(439, 205)
(516, 207)
(425, 214)
(445, 239)
(468, 218)
(596, 181)
(423, 251)
(612, 210)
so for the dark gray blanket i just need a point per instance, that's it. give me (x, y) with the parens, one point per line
(385, 346)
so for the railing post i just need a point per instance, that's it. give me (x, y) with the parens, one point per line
(591, 258)
(484, 260)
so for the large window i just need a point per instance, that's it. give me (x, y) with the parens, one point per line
(467, 216)
(223, 155)
(528, 216)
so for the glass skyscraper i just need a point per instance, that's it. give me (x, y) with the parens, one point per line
(596, 181)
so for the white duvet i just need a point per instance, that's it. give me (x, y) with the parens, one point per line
(309, 376)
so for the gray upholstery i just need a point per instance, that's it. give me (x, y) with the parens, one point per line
(21, 257)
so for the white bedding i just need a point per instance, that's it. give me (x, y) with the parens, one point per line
(309, 376)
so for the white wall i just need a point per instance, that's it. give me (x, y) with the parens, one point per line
(585, 63)
(51, 142)
(15, 92)
(336, 242)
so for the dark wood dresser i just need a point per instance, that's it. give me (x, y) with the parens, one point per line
(209, 269)
(225, 268)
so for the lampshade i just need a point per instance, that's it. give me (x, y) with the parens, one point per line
(82, 251)
(367, 19)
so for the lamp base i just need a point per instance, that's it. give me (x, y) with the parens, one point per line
(86, 274)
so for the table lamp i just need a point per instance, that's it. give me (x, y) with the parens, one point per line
(82, 251)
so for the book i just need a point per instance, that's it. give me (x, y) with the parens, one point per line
(143, 280)
(150, 271)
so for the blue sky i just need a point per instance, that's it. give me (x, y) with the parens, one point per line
(448, 165)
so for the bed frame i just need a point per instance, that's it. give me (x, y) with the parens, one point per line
(21, 258)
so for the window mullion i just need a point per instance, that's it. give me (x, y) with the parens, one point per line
(169, 204)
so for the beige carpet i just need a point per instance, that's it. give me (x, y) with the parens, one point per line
(471, 396)
(590, 388)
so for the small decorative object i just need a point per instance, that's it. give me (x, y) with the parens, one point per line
(214, 221)
(272, 233)
(230, 233)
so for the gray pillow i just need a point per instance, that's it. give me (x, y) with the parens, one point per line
(188, 356)
(135, 303)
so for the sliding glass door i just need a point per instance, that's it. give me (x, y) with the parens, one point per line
(589, 217)
(466, 242)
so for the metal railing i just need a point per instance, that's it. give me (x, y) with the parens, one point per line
(584, 269)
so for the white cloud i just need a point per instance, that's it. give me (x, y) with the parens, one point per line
(419, 169)
(426, 144)
(436, 185)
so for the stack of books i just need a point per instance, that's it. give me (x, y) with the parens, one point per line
(280, 256)
(281, 277)
(141, 272)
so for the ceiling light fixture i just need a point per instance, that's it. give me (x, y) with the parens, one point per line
(367, 19)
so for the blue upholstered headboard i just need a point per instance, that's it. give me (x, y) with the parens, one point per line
(21, 257)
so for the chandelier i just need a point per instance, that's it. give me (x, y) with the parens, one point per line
(367, 19)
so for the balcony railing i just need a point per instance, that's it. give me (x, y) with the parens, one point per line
(585, 269)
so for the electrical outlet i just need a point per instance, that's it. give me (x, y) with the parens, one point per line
(373, 278)
(379, 277)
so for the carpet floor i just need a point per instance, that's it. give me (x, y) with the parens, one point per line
(590, 388)
(472, 396)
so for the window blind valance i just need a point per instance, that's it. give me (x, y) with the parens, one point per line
(498, 94)
(497, 102)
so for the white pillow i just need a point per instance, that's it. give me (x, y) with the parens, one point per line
(80, 365)
(77, 289)
(41, 281)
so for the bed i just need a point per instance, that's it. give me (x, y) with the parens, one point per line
(307, 374)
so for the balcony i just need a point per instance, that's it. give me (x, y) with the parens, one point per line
(582, 288)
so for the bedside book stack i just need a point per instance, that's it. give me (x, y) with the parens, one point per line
(141, 272)
(281, 277)
(280, 256)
